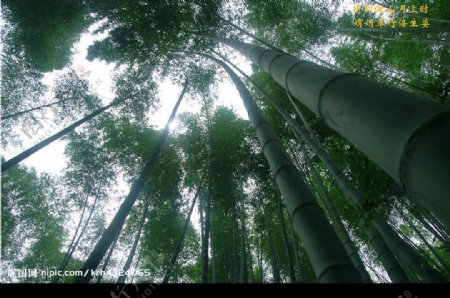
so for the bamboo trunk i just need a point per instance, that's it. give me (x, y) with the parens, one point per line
(31, 110)
(205, 243)
(406, 253)
(68, 254)
(183, 234)
(329, 266)
(108, 257)
(235, 249)
(397, 129)
(337, 223)
(119, 219)
(349, 192)
(25, 154)
(299, 277)
(422, 237)
(273, 260)
(127, 265)
(287, 248)
(243, 251)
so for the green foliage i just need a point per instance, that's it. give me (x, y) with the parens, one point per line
(32, 223)
(144, 28)
(417, 58)
(150, 41)
(290, 24)
(47, 29)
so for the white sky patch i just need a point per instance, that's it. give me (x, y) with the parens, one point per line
(50, 159)
(101, 73)
(227, 95)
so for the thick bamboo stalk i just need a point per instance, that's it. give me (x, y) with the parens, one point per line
(329, 265)
(348, 190)
(404, 133)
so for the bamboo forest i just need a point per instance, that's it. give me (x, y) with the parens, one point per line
(225, 141)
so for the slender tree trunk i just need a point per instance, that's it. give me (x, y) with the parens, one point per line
(329, 266)
(439, 234)
(273, 259)
(250, 259)
(379, 276)
(420, 251)
(296, 255)
(243, 252)
(337, 223)
(137, 266)
(183, 234)
(441, 98)
(287, 248)
(230, 265)
(176, 271)
(205, 243)
(443, 264)
(108, 257)
(86, 224)
(127, 264)
(94, 205)
(433, 230)
(213, 257)
(400, 40)
(261, 261)
(30, 110)
(235, 249)
(202, 220)
(69, 249)
(406, 253)
(225, 268)
(387, 258)
(202, 227)
(436, 224)
(397, 129)
(21, 156)
(117, 223)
